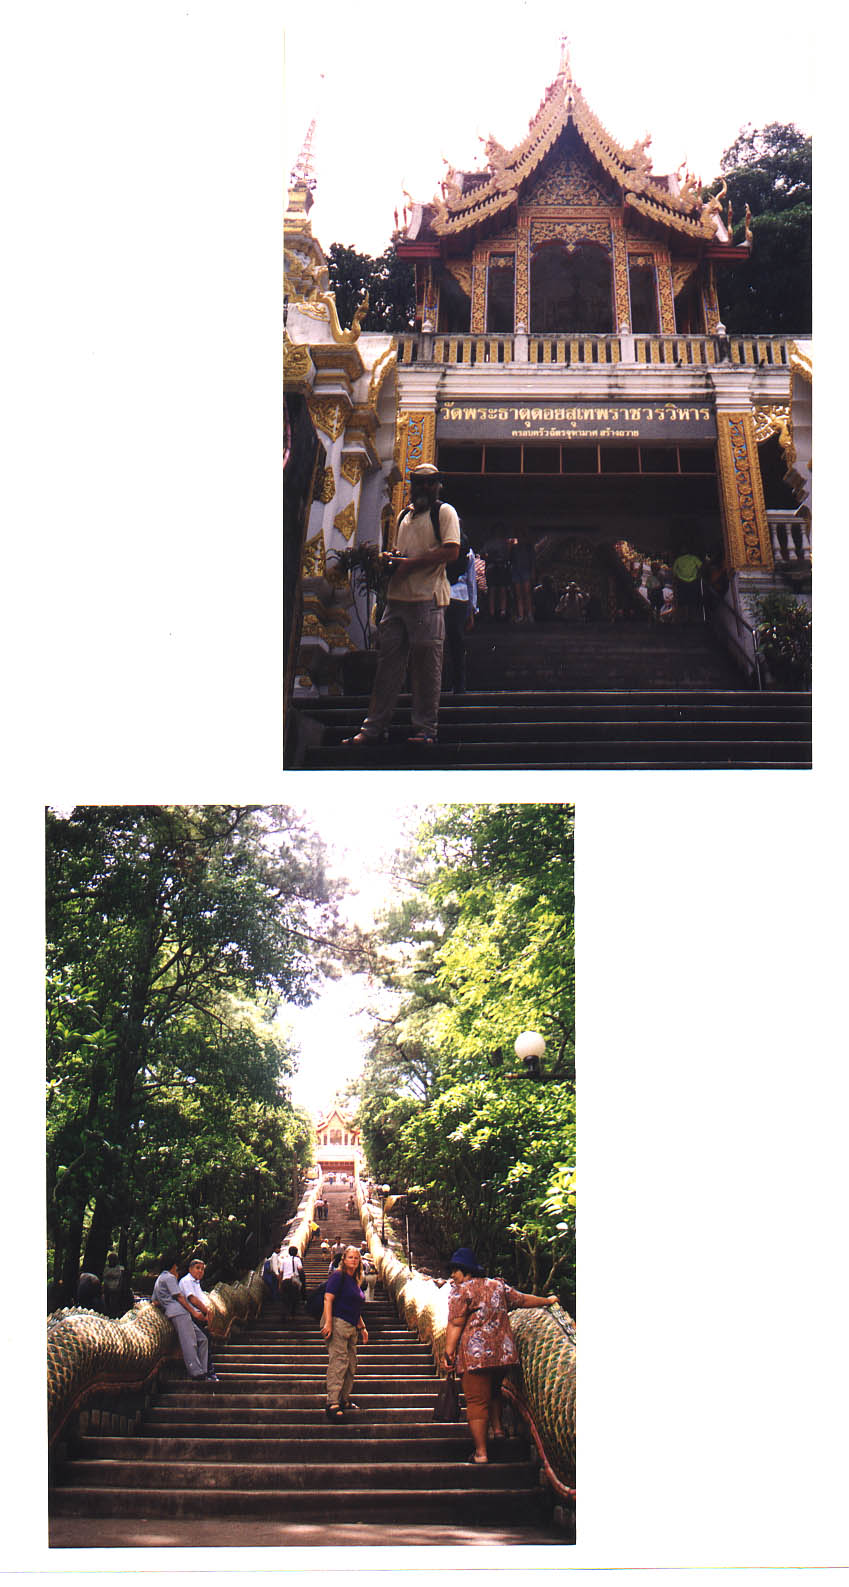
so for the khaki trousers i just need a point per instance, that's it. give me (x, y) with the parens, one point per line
(411, 631)
(341, 1361)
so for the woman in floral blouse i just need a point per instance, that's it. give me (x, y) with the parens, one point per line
(479, 1344)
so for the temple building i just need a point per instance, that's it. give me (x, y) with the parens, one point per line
(338, 1149)
(569, 373)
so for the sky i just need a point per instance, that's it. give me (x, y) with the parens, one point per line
(332, 1032)
(388, 106)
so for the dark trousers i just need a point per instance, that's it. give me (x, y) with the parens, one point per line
(456, 618)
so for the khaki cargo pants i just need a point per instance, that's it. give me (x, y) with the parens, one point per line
(411, 631)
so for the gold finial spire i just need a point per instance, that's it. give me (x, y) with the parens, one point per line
(565, 63)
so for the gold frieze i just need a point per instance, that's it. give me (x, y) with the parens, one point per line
(346, 521)
(741, 489)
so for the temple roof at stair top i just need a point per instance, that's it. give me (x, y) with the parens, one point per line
(472, 198)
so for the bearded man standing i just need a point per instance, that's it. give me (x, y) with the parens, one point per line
(413, 625)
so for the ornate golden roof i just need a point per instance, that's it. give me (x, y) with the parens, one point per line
(483, 195)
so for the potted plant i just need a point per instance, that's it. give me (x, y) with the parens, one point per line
(368, 578)
(783, 628)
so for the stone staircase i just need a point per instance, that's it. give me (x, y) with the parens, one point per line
(257, 1449)
(635, 655)
(597, 697)
(586, 731)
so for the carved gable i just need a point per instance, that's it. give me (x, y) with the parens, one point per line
(571, 178)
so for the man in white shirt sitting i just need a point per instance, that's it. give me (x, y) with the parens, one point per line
(193, 1343)
(190, 1287)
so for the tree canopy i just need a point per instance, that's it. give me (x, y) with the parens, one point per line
(389, 282)
(483, 948)
(173, 932)
(770, 170)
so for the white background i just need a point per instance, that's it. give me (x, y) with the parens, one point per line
(143, 186)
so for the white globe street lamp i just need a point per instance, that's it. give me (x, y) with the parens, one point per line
(529, 1047)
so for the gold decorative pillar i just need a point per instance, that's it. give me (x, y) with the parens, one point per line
(621, 291)
(523, 247)
(663, 269)
(417, 444)
(710, 301)
(747, 542)
(481, 257)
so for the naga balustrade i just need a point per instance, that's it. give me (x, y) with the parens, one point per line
(575, 350)
(541, 1388)
(104, 1370)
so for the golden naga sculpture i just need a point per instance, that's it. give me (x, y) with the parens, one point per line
(344, 338)
(748, 224)
(714, 205)
(639, 156)
(496, 154)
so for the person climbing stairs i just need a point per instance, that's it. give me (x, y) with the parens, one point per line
(254, 1455)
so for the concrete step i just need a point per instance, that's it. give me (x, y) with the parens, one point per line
(392, 1506)
(307, 1450)
(422, 1475)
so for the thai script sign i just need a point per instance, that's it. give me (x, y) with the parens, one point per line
(575, 421)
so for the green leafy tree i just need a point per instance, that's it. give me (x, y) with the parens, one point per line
(173, 932)
(390, 284)
(482, 948)
(770, 170)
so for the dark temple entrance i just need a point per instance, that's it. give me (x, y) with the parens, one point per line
(594, 514)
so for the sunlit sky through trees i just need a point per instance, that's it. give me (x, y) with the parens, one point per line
(331, 1033)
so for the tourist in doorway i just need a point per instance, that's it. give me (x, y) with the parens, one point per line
(460, 620)
(479, 1344)
(497, 563)
(342, 1326)
(522, 572)
(654, 588)
(686, 575)
(546, 598)
(412, 628)
(571, 605)
(193, 1341)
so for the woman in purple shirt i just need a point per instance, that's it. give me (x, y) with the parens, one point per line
(342, 1325)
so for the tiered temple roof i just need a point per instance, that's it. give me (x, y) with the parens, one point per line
(469, 200)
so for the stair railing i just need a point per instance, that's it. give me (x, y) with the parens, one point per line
(108, 1368)
(751, 653)
(541, 1388)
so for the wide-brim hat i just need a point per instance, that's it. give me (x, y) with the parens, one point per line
(465, 1258)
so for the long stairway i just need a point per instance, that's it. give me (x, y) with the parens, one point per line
(256, 1450)
(597, 697)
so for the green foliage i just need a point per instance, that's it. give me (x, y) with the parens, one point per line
(173, 932)
(770, 170)
(483, 948)
(784, 629)
(369, 578)
(389, 282)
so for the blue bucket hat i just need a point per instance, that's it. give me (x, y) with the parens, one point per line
(465, 1258)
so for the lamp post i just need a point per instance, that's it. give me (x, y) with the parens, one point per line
(529, 1048)
(383, 1192)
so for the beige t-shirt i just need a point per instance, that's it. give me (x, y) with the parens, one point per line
(414, 536)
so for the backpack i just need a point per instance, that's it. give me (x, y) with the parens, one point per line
(314, 1303)
(269, 1278)
(455, 569)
